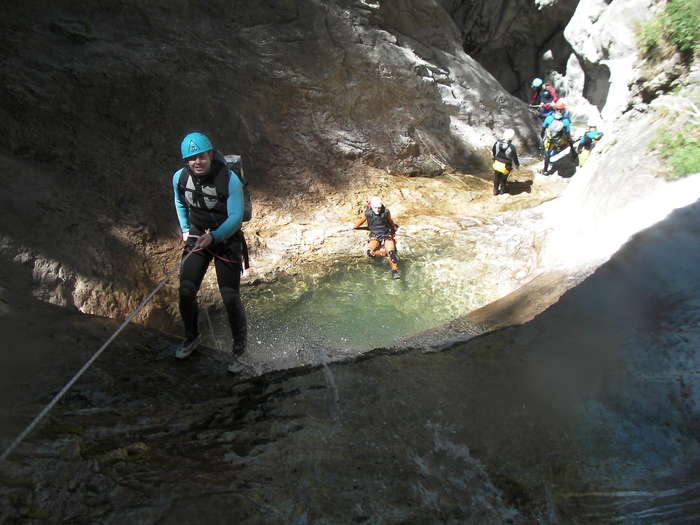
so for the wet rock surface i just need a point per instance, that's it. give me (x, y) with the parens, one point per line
(584, 415)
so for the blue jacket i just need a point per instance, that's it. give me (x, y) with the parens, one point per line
(565, 120)
(588, 137)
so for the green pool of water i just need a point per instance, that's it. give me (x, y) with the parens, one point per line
(357, 305)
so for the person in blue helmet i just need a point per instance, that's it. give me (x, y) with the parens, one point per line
(543, 97)
(587, 141)
(209, 204)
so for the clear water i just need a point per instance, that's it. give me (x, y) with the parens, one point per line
(357, 306)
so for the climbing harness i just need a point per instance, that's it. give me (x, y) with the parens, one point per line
(245, 263)
(87, 365)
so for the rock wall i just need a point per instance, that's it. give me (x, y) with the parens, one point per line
(621, 190)
(586, 48)
(315, 95)
(515, 40)
(602, 35)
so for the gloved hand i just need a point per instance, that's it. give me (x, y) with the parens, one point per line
(204, 241)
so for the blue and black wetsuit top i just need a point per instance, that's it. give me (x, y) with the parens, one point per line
(565, 119)
(213, 202)
(588, 138)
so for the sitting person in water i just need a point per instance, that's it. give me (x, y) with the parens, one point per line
(381, 233)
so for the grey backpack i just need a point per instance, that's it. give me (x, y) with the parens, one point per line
(235, 163)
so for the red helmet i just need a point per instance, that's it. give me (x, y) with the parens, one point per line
(559, 104)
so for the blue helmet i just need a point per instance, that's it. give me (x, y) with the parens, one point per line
(536, 82)
(194, 144)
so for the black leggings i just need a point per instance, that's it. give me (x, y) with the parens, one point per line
(499, 182)
(228, 276)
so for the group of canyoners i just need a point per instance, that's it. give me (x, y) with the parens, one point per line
(558, 145)
(211, 202)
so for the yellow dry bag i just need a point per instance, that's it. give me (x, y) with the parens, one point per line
(500, 167)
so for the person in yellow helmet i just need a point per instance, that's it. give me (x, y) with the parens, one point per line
(381, 233)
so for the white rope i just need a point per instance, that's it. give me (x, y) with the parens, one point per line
(80, 372)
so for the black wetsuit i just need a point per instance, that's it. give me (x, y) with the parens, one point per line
(378, 224)
(505, 152)
(209, 213)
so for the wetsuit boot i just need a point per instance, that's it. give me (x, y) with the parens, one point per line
(236, 364)
(393, 262)
(190, 314)
(545, 169)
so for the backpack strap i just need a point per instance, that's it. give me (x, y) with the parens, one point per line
(502, 151)
(235, 165)
(221, 184)
(182, 181)
(246, 258)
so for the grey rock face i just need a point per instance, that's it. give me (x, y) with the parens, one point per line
(602, 35)
(313, 84)
(515, 40)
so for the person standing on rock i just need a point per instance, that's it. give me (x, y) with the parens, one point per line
(543, 96)
(559, 113)
(504, 156)
(556, 137)
(209, 204)
(381, 233)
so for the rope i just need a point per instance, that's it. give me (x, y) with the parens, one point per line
(215, 254)
(97, 354)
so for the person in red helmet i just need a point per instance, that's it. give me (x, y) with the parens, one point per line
(559, 113)
(381, 233)
(556, 136)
